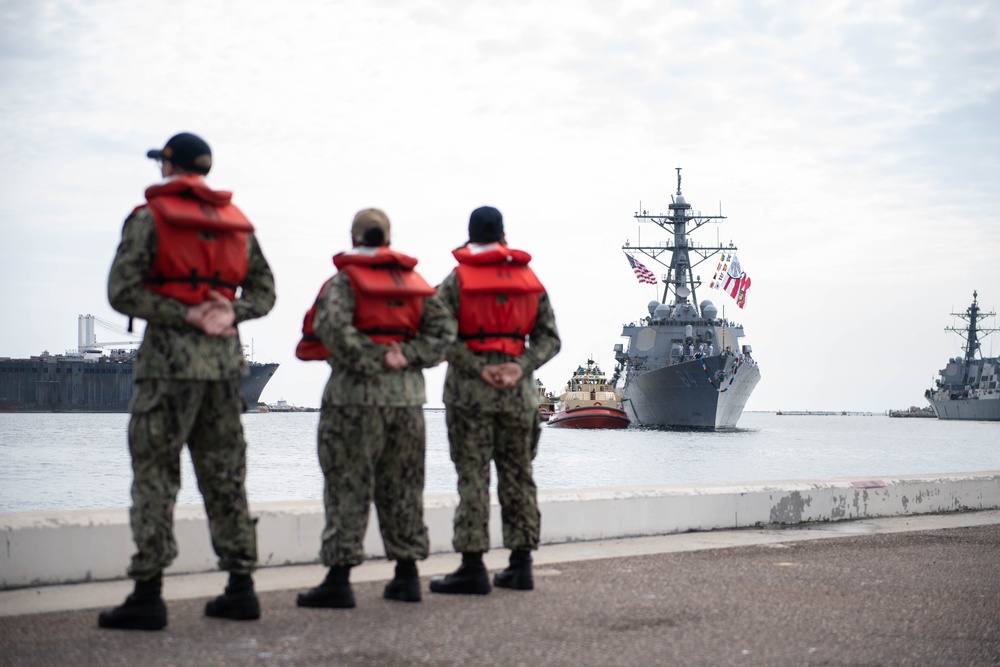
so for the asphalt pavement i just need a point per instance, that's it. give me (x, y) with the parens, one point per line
(921, 590)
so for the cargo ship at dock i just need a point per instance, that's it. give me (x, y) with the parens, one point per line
(89, 379)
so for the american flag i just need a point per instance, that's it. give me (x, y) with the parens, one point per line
(641, 272)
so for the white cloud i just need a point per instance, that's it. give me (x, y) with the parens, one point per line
(852, 144)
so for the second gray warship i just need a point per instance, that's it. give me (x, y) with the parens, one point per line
(969, 386)
(683, 365)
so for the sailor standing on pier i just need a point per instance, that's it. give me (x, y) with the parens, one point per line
(506, 329)
(189, 264)
(379, 325)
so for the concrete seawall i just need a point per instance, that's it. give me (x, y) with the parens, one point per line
(39, 548)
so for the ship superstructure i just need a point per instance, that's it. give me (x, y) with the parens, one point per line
(89, 379)
(969, 386)
(588, 386)
(683, 365)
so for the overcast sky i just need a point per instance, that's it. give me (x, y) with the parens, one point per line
(854, 147)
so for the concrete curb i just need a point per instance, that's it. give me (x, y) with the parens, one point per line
(71, 547)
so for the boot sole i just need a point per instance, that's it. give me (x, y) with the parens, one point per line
(235, 608)
(336, 604)
(515, 583)
(149, 624)
(456, 591)
(327, 603)
(401, 598)
(402, 595)
(235, 616)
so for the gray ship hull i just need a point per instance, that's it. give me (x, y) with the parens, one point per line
(60, 384)
(967, 408)
(256, 380)
(681, 396)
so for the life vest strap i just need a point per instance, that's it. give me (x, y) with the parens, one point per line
(192, 279)
(405, 333)
(483, 335)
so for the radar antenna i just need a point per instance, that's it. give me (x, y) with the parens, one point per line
(679, 256)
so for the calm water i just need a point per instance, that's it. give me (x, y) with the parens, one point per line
(80, 461)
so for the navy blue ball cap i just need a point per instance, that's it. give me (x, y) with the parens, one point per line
(485, 225)
(187, 151)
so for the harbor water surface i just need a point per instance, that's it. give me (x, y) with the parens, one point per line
(80, 461)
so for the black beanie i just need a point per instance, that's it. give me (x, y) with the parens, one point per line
(485, 225)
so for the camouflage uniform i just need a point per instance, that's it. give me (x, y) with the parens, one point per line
(371, 432)
(187, 391)
(485, 423)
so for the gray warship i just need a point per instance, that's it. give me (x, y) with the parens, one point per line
(969, 386)
(89, 379)
(683, 365)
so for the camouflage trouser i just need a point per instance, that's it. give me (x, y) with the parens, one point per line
(206, 415)
(372, 453)
(511, 440)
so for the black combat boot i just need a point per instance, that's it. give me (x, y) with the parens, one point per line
(238, 602)
(518, 573)
(405, 586)
(334, 593)
(142, 610)
(471, 577)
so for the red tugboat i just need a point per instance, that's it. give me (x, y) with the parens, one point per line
(589, 402)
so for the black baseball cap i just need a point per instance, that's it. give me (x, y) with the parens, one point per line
(187, 151)
(485, 225)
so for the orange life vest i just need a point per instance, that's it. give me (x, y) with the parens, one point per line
(389, 304)
(498, 298)
(201, 241)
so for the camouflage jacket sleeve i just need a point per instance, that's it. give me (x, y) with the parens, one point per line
(543, 341)
(257, 293)
(437, 331)
(460, 358)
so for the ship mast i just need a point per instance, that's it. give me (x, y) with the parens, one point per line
(679, 222)
(972, 316)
